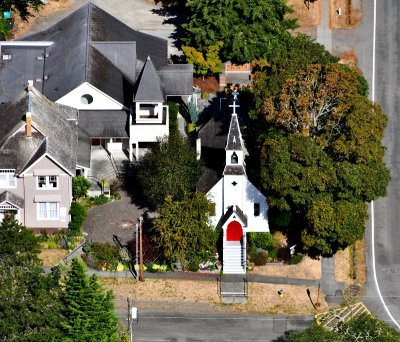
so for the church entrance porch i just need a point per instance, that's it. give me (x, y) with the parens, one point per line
(234, 249)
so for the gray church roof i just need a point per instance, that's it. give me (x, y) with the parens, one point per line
(7, 196)
(56, 135)
(148, 87)
(234, 140)
(234, 170)
(232, 212)
(104, 123)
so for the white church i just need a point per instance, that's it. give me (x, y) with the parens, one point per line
(240, 207)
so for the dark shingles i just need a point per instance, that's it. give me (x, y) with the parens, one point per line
(105, 27)
(238, 78)
(149, 84)
(234, 141)
(7, 196)
(120, 54)
(177, 79)
(233, 210)
(23, 66)
(83, 149)
(234, 170)
(104, 123)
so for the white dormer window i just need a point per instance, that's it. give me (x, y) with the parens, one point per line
(47, 182)
(7, 179)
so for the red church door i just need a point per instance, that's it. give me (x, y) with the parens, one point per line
(234, 232)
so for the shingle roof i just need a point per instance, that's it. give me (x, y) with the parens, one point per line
(104, 123)
(233, 210)
(7, 196)
(149, 85)
(83, 149)
(57, 136)
(234, 170)
(234, 140)
(177, 79)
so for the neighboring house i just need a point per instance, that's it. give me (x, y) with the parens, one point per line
(117, 78)
(39, 153)
(240, 207)
(115, 82)
(233, 74)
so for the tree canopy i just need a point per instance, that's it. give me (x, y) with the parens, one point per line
(182, 230)
(249, 29)
(320, 153)
(88, 309)
(30, 309)
(170, 167)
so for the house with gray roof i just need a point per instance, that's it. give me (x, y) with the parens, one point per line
(117, 78)
(39, 153)
(92, 81)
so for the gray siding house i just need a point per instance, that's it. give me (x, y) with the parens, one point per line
(93, 81)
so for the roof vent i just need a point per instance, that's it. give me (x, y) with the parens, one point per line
(45, 77)
(39, 58)
(38, 80)
(86, 99)
(47, 54)
(6, 57)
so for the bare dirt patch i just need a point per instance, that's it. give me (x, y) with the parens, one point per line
(343, 14)
(21, 27)
(197, 295)
(308, 14)
(51, 257)
(350, 265)
(307, 269)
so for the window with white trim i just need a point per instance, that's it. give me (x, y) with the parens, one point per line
(47, 210)
(47, 182)
(8, 179)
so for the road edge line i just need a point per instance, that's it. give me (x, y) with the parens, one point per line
(372, 202)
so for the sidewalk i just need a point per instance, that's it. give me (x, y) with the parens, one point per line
(324, 33)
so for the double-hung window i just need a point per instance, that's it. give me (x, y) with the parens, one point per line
(48, 210)
(47, 182)
(7, 179)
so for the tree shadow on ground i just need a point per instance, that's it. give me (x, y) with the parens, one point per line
(176, 16)
(284, 337)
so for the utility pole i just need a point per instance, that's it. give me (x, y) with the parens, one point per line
(132, 317)
(137, 252)
(141, 278)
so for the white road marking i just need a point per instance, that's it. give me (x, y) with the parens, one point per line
(372, 202)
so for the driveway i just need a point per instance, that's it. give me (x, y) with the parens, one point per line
(114, 218)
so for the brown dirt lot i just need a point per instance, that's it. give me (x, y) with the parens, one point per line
(307, 269)
(51, 257)
(350, 265)
(349, 17)
(307, 16)
(196, 295)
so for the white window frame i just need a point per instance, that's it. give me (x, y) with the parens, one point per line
(9, 175)
(47, 182)
(47, 209)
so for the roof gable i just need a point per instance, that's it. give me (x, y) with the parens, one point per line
(234, 141)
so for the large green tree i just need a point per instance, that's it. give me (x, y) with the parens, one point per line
(30, 308)
(321, 154)
(170, 167)
(249, 29)
(182, 230)
(88, 308)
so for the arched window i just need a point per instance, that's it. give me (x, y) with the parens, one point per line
(234, 158)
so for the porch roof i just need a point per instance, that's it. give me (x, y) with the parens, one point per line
(7, 196)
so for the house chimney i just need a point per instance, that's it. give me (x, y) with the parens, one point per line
(28, 124)
(30, 85)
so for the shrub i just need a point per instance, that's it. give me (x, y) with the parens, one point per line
(173, 116)
(80, 186)
(295, 259)
(101, 256)
(116, 196)
(78, 216)
(100, 200)
(204, 95)
(208, 85)
(262, 240)
(273, 255)
(60, 238)
(259, 259)
(191, 127)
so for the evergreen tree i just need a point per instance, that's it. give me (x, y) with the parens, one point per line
(30, 308)
(88, 308)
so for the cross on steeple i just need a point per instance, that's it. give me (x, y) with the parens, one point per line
(235, 95)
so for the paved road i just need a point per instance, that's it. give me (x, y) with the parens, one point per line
(387, 213)
(178, 326)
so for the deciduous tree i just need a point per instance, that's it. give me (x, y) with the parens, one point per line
(170, 167)
(250, 29)
(182, 230)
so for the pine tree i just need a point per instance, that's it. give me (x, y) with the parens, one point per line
(88, 308)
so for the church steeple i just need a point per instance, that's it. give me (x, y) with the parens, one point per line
(234, 156)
